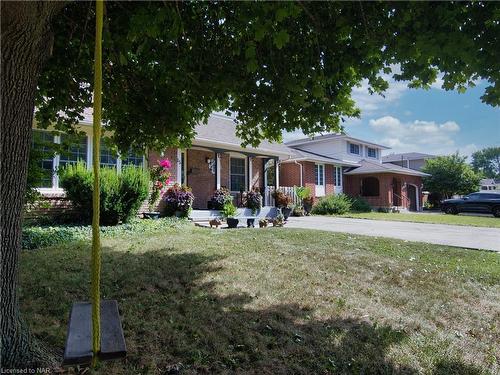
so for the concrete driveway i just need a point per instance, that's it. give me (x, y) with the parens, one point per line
(441, 234)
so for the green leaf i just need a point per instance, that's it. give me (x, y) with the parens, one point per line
(250, 51)
(260, 33)
(252, 66)
(281, 14)
(123, 59)
(281, 39)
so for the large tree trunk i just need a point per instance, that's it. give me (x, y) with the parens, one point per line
(26, 44)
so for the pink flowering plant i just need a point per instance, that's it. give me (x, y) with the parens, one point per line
(160, 179)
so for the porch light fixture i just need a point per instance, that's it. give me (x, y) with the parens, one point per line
(211, 164)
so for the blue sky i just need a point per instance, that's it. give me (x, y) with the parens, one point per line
(432, 121)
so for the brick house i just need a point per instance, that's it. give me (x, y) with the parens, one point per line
(216, 159)
(328, 164)
(336, 163)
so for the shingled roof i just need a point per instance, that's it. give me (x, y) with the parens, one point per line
(406, 156)
(221, 130)
(367, 167)
(303, 155)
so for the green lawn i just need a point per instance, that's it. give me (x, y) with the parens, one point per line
(278, 301)
(476, 221)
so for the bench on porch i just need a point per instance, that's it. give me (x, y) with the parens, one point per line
(243, 214)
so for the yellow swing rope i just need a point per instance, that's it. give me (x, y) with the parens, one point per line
(96, 241)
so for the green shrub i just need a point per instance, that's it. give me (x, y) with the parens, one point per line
(135, 189)
(40, 236)
(333, 205)
(36, 237)
(121, 193)
(360, 205)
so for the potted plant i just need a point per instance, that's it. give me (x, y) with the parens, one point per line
(304, 194)
(219, 198)
(229, 211)
(178, 201)
(160, 178)
(283, 202)
(279, 220)
(253, 202)
(298, 211)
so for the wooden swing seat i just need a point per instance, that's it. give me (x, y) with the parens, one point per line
(78, 350)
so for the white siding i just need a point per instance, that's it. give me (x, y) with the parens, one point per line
(339, 148)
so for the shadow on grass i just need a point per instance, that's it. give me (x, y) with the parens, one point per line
(175, 322)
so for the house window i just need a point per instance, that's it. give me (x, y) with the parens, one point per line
(108, 157)
(134, 159)
(319, 174)
(42, 144)
(237, 174)
(353, 148)
(75, 150)
(338, 176)
(372, 152)
(370, 187)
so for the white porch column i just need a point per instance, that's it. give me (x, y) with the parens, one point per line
(250, 173)
(276, 173)
(217, 169)
(179, 170)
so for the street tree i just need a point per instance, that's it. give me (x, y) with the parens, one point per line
(487, 161)
(450, 175)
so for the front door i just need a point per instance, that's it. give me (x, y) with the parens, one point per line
(412, 196)
(396, 192)
(319, 176)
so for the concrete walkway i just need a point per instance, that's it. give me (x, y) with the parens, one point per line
(441, 234)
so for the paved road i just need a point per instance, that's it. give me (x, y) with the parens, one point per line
(441, 234)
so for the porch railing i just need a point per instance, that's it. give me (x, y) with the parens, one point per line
(288, 190)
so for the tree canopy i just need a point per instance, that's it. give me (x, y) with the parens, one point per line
(450, 175)
(487, 161)
(279, 66)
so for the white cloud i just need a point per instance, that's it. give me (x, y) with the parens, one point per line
(370, 103)
(419, 136)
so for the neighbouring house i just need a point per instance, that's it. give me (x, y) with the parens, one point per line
(412, 160)
(335, 163)
(490, 184)
(328, 164)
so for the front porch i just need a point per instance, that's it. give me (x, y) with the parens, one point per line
(206, 169)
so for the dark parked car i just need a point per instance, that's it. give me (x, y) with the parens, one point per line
(484, 203)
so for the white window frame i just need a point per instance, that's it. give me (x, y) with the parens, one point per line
(354, 144)
(246, 172)
(368, 152)
(320, 190)
(338, 176)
